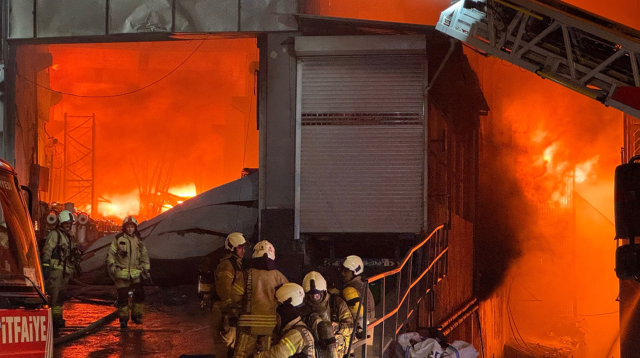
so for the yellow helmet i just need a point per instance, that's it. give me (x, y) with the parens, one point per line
(291, 291)
(313, 281)
(264, 247)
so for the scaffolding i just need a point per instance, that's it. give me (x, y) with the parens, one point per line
(79, 162)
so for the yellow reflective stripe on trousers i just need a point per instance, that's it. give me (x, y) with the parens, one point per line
(289, 345)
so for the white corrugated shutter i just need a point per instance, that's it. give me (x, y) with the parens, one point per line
(362, 144)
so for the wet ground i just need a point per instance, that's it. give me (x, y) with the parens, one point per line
(173, 325)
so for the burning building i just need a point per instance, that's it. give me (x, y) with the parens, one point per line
(349, 149)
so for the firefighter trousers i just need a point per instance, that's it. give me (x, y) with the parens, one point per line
(56, 286)
(138, 302)
(247, 344)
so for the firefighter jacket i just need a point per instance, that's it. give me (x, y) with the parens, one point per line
(358, 284)
(259, 302)
(59, 251)
(296, 340)
(333, 309)
(229, 281)
(317, 315)
(127, 259)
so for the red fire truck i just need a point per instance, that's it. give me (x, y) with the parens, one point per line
(25, 319)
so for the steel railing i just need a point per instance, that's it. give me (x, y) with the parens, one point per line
(412, 281)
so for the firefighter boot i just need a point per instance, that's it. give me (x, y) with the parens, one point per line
(136, 312)
(56, 315)
(123, 314)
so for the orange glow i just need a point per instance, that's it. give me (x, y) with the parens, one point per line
(120, 205)
(192, 129)
(564, 148)
(184, 191)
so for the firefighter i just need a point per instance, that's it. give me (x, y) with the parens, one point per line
(258, 314)
(352, 268)
(229, 281)
(327, 316)
(60, 260)
(128, 264)
(296, 339)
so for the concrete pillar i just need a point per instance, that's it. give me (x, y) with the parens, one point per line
(277, 120)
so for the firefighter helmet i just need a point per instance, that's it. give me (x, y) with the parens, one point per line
(313, 282)
(65, 216)
(234, 240)
(290, 291)
(354, 264)
(129, 220)
(264, 247)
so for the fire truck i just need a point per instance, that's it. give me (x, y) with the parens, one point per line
(26, 329)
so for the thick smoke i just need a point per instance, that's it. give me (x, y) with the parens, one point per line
(498, 241)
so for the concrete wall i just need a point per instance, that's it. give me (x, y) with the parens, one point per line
(277, 118)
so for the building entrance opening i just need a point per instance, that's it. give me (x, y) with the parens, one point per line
(137, 128)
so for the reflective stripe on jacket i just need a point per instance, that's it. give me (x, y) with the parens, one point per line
(126, 259)
(358, 284)
(259, 311)
(296, 339)
(229, 280)
(57, 251)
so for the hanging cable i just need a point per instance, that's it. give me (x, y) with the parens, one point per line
(119, 94)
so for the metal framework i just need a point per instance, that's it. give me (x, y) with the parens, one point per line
(631, 138)
(79, 161)
(411, 282)
(586, 53)
(154, 188)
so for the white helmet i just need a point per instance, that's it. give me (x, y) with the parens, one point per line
(234, 240)
(314, 282)
(353, 263)
(264, 247)
(291, 291)
(129, 220)
(65, 216)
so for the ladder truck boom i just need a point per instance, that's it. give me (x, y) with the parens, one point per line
(565, 44)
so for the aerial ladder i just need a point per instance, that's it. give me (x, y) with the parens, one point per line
(565, 44)
(592, 56)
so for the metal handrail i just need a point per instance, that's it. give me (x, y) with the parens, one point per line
(435, 260)
(402, 297)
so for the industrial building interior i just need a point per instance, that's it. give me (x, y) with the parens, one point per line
(189, 125)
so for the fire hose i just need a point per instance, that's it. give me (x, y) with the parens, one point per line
(95, 325)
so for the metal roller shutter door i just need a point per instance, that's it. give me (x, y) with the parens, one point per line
(362, 144)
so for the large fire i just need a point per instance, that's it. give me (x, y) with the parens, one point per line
(172, 119)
